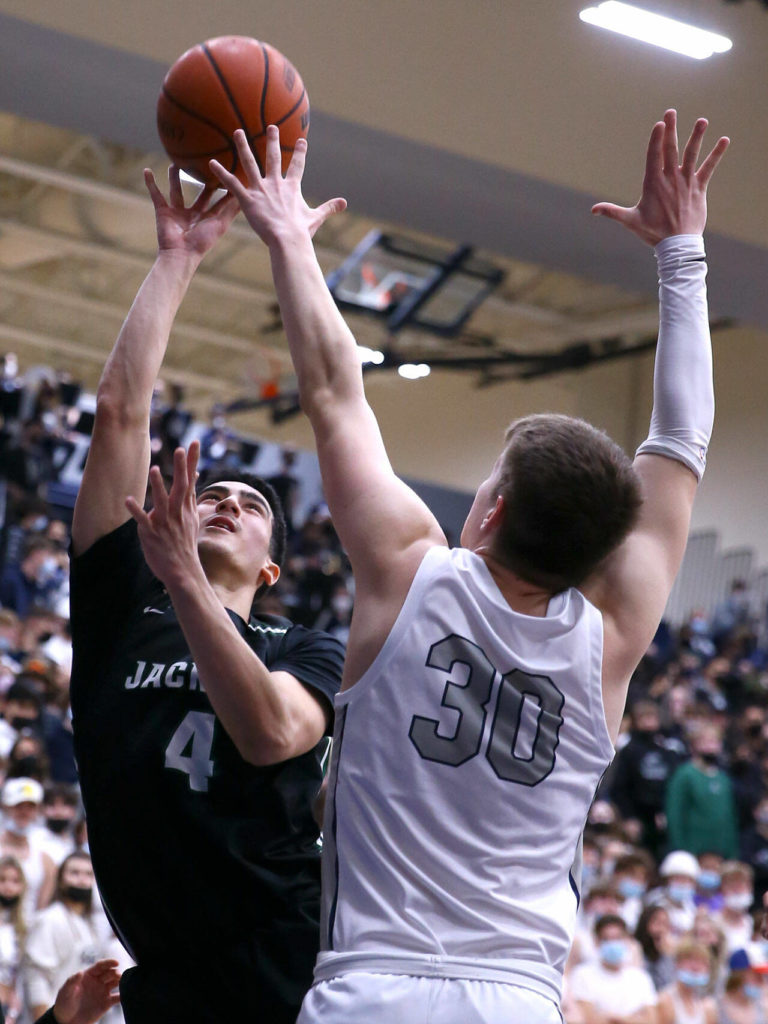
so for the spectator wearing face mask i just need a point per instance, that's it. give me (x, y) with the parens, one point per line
(737, 887)
(708, 893)
(609, 989)
(701, 810)
(642, 769)
(35, 581)
(601, 899)
(679, 871)
(742, 1000)
(686, 1000)
(27, 712)
(65, 937)
(28, 759)
(21, 711)
(13, 933)
(20, 838)
(754, 844)
(61, 805)
(631, 875)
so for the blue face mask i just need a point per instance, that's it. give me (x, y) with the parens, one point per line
(612, 951)
(630, 888)
(752, 991)
(691, 979)
(588, 875)
(709, 880)
(680, 893)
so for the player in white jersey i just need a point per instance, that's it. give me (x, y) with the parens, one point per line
(484, 686)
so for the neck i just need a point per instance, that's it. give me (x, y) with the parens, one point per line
(521, 596)
(228, 584)
(237, 599)
(76, 908)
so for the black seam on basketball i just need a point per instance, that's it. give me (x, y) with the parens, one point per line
(195, 115)
(263, 103)
(225, 87)
(294, 108)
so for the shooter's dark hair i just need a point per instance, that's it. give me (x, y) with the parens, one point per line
(277, 541)
(571, 497)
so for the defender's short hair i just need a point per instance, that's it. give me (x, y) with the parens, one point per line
(571, 497)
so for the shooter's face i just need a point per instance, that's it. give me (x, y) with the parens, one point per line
(235, 521)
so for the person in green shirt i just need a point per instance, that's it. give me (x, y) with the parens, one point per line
(700, 804)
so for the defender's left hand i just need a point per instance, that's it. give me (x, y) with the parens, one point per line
(674, 196)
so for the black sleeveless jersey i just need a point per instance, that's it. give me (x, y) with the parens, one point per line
(195, 850)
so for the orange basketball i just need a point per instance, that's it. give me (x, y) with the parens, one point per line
(227, 83)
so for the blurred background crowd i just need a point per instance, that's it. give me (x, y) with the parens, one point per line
(675, 852)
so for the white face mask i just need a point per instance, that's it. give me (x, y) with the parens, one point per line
(20, 830)
(738, 900)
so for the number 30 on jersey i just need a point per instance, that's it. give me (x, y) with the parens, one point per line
(519, 693)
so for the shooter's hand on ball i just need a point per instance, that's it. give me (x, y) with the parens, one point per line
(674, 198)
(273, 205)
(192, 230)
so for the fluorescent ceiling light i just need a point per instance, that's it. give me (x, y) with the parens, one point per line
(656, 29)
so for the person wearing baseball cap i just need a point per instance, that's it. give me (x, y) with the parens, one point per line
(742, 1000)
(679, 871)
(21, 800)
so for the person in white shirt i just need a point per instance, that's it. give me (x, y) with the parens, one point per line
(65, 937)
(737, 890)
(21, 837)
(608, 990)
(687, 999)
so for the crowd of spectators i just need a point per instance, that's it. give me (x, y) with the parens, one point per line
(675, 852)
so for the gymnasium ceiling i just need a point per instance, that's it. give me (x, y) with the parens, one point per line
(493, 124)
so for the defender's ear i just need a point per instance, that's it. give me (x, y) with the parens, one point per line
(494, 518)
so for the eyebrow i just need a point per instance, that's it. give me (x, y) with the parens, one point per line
(241, 495)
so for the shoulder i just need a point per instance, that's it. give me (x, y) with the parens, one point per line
(280, 634)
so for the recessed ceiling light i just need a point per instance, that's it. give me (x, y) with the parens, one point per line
(656, 29)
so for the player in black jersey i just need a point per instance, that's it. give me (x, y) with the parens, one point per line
(198, 727)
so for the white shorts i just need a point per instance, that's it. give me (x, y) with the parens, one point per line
(404, 999)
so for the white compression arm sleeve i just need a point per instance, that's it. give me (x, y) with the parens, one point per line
(683, 395)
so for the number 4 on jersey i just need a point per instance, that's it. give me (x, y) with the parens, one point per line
(194, 735)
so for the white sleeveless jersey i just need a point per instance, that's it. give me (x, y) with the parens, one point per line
(465, 761)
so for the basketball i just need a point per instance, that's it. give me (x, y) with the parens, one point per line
(223, 84)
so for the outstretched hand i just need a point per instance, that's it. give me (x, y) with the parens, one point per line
(86, 996)
(192, 229)
(274, 205)
(674, 197)
(168, 532)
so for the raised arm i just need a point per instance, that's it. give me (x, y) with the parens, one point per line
(632, 589)
(384, 526)
(119, 455)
